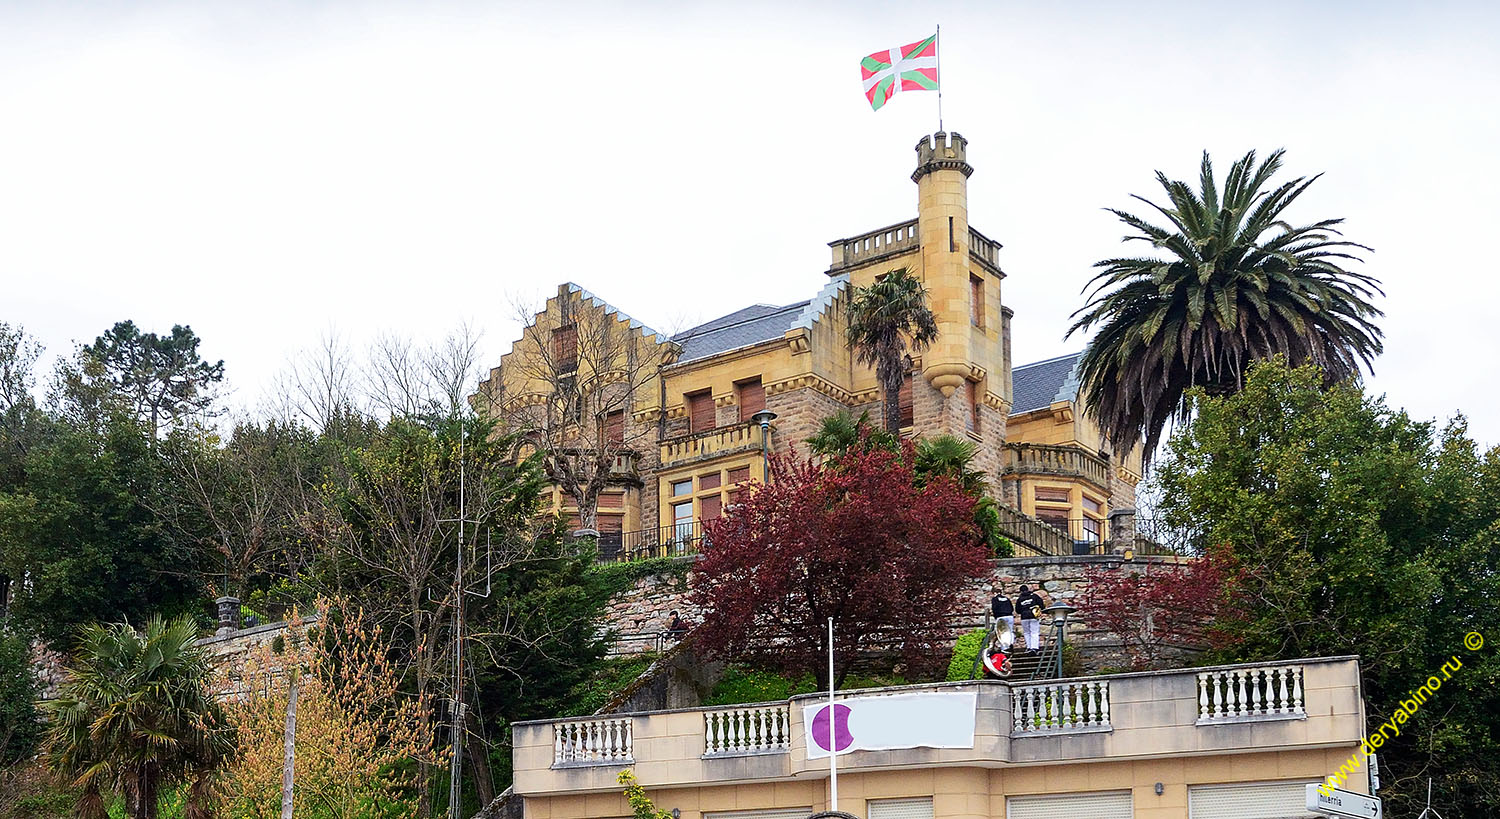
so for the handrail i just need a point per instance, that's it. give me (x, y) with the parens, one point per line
(1239, 694)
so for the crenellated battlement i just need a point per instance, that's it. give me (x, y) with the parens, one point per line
(942, 151)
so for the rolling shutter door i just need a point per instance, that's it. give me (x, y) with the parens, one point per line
(777, 813)
(701, 412)
(1112, 805)
(920, 808)
(752, 398)
(1263, 800)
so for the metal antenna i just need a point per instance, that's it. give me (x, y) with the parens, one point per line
(455, 771)
(1429, 811)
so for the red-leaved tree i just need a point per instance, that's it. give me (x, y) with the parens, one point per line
(855, 539)
(1154, 608)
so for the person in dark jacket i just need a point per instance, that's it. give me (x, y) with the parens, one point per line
(1002, 610)
(677, 627)
(1030, 605)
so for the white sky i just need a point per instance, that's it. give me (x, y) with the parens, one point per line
(268, 171)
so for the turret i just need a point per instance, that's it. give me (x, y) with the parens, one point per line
(943, 227)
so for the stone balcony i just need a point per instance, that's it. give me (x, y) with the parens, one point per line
(1053, 459)
(713, 443)
(889, 242)
(1304, 704)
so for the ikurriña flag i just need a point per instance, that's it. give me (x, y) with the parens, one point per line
(908, 68)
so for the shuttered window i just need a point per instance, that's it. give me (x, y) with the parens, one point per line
(739, 474)
(920, 808)
(1261, 800)
(976, 301)
(907, 406)
(614, 427)
(709, 480)
(752, 398)
(701, 412)
(565, 348)
(1112, 805)
(608, 523)
(711, 507)
(611, 500)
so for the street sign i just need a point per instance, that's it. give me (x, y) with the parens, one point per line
(1374, 766)
(1343, 803)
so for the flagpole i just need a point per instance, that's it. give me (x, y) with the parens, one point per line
(833, 743)
(937, 47)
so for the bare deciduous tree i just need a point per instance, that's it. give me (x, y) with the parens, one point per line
(574, 385)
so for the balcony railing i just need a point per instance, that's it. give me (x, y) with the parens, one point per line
(1032, 534)
(1079, 705)
(677, 540)
(744, 437)
(606, 741)
(747, 729)
(1245, 694)
(875, 244)
(1052, 459)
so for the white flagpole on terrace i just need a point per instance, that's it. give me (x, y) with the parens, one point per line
(833, 745)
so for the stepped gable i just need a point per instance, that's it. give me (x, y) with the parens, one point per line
(1038, 385)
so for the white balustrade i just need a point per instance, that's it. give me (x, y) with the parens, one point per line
(605, 741)
(1261, 692)
(751, 729)
(1054, 707)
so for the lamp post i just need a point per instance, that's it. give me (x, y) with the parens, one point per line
(764, 418)
(1060, 612)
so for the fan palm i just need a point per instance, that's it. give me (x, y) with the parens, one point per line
(136, 714)
(1235, 283)
(882, 317)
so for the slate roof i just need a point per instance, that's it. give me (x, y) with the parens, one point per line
(759, 322)
(1037, 385)
(756, 323)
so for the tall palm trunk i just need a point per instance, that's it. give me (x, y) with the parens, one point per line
(888, 373)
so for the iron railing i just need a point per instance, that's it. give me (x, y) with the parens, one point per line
(677, 540)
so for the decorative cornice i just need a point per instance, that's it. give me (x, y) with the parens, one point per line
(813, 382)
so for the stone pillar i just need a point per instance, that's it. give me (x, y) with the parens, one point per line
(229, 615)
(943, 228)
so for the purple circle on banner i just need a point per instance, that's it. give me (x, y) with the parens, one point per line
(840, 727)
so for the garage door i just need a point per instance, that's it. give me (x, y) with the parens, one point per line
(1260, 800)
(1110, 805)
(777, 813)
(901, 808)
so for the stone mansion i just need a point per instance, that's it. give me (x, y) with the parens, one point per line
(665, 429)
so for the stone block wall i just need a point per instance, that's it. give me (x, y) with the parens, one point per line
(642, 611)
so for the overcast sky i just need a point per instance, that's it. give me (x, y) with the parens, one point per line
(267, 172)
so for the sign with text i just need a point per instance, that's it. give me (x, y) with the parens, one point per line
(878, 723)
(1335, 802)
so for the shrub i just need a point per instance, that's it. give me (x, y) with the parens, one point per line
(965, 652)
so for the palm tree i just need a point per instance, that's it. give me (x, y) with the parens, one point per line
(136, 714)
(881, 319)
(1236, 283)
(841, 432)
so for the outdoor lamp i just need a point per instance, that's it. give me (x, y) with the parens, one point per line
(764, 418)
(1060, 612)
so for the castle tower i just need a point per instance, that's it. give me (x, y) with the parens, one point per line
(942, 178)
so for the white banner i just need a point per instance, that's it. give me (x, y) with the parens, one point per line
(876, 723)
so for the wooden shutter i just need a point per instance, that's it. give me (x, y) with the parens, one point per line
(908, 407)
(614, 427)
(710, 506)
(565, 348)
(971, 390)
(752, 398)
(701, 412)
(709, 480)
(739, 474)
(609, 523)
